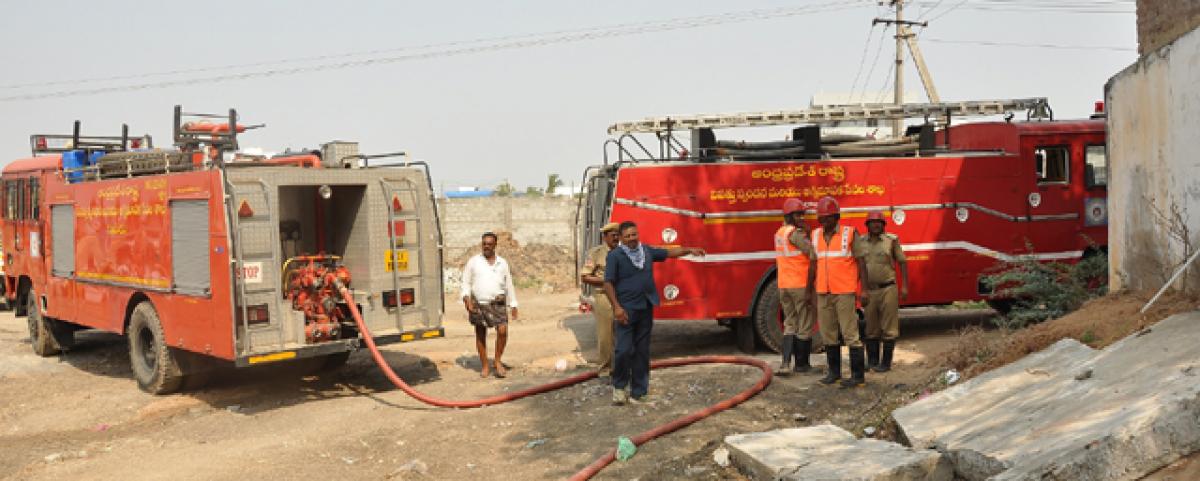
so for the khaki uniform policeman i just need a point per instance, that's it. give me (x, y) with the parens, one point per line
(795, 275)
(882, 253)
(593, 275)
(840, 272)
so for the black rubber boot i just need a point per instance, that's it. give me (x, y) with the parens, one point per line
(872, 346)
(786, 346)
(803, 351)
(885, 363)
(833, 358)
(857, 368)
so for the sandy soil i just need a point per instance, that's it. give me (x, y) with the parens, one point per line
(80, 415)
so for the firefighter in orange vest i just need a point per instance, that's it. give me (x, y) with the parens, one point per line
(795, 274)
(883, 252)
(840, 272)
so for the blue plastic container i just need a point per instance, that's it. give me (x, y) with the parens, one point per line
(74, 159)
(95, 157)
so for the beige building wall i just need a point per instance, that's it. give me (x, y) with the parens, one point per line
(1154, 155)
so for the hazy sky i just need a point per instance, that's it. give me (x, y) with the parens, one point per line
(518, 113)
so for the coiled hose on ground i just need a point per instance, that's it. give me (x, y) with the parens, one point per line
(590, 470)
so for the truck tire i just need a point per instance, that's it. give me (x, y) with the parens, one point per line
(40, 334)
(768, 317)
(154, 365)
(768, 321)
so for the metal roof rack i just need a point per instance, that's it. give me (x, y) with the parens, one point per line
(58, 143)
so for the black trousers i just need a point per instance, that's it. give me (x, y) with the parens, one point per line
(631, 356)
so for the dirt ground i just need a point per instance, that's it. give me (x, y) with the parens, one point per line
(1098, 323)
(80, 416)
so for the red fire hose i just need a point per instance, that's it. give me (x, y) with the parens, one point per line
(596, 466)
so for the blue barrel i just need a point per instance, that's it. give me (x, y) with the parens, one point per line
(74, 159)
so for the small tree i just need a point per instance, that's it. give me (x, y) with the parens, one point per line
(553, 183)
(505, 189)
(532, 191)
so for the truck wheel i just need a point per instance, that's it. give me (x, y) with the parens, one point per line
(154, 365)
(768, 317)
(40, 334)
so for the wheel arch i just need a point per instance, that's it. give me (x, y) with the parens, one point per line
(763, 282)
(137, 298)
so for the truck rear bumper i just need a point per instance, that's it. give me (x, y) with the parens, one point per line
(327, 348)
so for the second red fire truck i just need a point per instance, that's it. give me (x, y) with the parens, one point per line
(961, 198)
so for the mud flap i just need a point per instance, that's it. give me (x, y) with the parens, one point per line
(743, 328)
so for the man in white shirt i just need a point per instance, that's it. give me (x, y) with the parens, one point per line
(488, 294)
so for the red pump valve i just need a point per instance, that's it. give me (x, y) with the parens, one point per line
(312, 288)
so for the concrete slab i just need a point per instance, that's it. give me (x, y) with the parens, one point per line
(921, 422)
(1128, 410)
(828, 452)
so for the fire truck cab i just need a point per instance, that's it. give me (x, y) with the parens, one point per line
(961, 198)
(202, 254)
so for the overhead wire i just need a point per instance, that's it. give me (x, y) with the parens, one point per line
(875, 62)
(861, 62)
(779, 10)
(450, 49)
(1031, 45)
(948, 10)
(1080, 7)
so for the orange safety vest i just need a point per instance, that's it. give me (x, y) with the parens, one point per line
(792, 265)
(837, 271)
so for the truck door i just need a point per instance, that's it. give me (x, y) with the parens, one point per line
(1052, 208)
(23, 210)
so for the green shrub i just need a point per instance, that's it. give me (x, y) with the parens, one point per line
(1045, 290)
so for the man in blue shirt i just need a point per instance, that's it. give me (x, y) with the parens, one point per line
(629, 285)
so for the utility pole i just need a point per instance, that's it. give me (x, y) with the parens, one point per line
(904, 36)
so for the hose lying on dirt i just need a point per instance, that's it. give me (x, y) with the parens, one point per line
(596, 466)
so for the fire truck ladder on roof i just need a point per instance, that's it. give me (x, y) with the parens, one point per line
(396, 243)
(1035, 107)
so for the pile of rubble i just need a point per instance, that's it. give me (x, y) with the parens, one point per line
(541, 267)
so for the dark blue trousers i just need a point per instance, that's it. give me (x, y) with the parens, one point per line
(631, 357)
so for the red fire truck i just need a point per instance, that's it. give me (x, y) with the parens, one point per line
(960, 197)
(201, 253)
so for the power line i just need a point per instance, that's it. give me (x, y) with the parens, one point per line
(1079, 10)
(948, 10)
(862, 61)
(929, 10)
(501, 43)
(887, 80)
(781, 10)
(871, 72)
(1080, 7)
(1031, 45)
